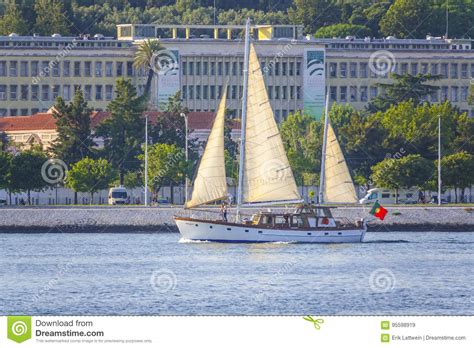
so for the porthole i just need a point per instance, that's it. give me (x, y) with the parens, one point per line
(339, 233)
(196, 225)
(260, 232)
(309, 234)
(210, 226)
(326, 233)
(228, 228)
(246, 230)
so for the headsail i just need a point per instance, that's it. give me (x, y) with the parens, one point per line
(210, 184)
(267, 175)
(338, 185)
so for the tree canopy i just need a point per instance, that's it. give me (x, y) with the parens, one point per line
(400, 18)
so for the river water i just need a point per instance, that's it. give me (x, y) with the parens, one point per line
(157, 274)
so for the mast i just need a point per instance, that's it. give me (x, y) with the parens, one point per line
(244, 117)
(439, 159)
(323, 154)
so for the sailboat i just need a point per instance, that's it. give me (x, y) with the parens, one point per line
(266, 178)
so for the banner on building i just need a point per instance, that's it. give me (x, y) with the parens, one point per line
(167, 65)
(314, 82)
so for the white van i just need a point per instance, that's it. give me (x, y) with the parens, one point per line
(118, 195)
(388, 196)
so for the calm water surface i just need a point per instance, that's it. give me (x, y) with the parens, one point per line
(126, 274)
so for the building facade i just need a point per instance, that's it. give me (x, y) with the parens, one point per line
(35, 70)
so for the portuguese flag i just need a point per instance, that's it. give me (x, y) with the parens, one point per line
(378, 211)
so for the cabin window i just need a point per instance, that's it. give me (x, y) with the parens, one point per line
(280, 220)
(267, 220)
(297, 221)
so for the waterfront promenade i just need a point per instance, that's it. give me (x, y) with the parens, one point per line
(108, 219)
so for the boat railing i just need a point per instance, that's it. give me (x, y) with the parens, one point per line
(343, 221)
(210, 214)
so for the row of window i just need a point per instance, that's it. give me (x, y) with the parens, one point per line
(383, 69)
(49, 93)
(237, 68)
(360, 94)
(235, 92)
(65, 69)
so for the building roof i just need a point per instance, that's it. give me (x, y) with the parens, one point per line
(45, 121)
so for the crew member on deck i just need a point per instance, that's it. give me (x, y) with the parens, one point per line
(224, 212)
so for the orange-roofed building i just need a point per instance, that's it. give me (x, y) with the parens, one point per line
(40, 128)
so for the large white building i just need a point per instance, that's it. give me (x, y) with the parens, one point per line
(298, 70)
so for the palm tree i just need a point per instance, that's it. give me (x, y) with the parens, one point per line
(146, 56)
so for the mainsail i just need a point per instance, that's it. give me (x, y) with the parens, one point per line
(210, 184)
(267, 175)
(338, 185)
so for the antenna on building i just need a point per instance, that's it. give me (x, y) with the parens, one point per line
(447, 18)
(214, 12)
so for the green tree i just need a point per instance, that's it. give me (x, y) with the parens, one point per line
(463, 139)
(404, 87)
(89, 175)
(124, 131)
(151, 55)
(362, 138)
(302, 139)
(372, 15)
(5, 170)
(314, 14)
(12, 21)
(457, 172)
(170, 126)
(3, 141)
(342, 30)
(403, 173)
(415, 128)
(26, 172)
(409, 19)
(166, 166)
(74, 140)
(50, 18)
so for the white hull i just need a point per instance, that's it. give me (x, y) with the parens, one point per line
(218, 231)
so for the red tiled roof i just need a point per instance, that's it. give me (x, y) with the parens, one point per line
(39, 121)
(46, 121)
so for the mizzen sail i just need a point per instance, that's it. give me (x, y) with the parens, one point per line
(267, 175)
(210, 183)
(338, 185)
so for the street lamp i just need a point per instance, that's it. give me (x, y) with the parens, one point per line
(185, 154)
(439, 159)
(146, 161)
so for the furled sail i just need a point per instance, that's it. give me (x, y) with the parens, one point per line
(210, 183)
(267, 173)
(338, 187)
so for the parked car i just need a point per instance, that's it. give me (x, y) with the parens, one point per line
(434, 200)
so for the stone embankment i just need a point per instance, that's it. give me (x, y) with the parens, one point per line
(139, 219)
